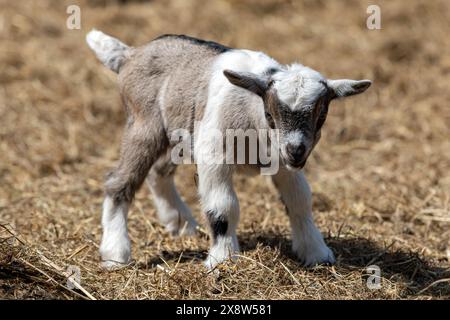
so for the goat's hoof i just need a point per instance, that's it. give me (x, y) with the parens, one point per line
(323, 256)
(210, 264)
(110, 265)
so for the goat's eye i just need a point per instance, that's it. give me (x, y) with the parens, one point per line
(270, 120)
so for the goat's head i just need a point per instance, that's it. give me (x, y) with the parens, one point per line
(296, 100)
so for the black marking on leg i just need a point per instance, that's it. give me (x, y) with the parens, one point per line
(218, 224)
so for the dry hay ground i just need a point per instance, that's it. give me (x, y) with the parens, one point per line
(380, 174)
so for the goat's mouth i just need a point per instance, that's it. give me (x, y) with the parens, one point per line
(292, 165)
(295, 166)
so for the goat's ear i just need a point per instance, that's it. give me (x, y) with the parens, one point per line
(248, 80)
(344, 88)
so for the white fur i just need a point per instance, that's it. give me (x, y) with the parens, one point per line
(161, 100)
(307, 241)
(218, 196)
(243, 61)
(220, 87)
(215, 180)
(298, 86)
(115, 247)
(110, 51)
(294, 138)
(224, 248)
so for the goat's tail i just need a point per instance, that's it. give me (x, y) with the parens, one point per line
(110, 51)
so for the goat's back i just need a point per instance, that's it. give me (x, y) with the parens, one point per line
(167, 80)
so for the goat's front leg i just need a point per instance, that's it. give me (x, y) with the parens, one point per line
(307, 241)
(221, 206)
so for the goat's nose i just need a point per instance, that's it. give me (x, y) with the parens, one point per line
(296, 152)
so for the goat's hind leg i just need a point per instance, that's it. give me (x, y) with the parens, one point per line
(141, 146)
(172, 211)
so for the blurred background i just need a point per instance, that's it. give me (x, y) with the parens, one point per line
(380, 175)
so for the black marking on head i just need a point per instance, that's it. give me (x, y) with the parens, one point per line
(325, 102)
(219, 48)
(304, 119)
(322, 117)
(325, 84)
(295, 120)
(218, 224)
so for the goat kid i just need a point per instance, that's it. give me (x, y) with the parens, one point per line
(175, 81)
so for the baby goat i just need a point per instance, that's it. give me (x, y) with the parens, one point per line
(177, 81)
